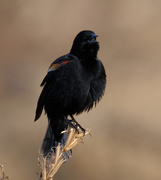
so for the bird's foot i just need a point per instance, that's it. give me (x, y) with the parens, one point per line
(74, 124)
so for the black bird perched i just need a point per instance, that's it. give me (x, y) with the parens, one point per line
(73, 84)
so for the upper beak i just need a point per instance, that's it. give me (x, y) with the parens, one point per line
(94, 36)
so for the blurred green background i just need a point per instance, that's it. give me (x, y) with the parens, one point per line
(126, 125)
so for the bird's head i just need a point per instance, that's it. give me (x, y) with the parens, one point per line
(85, 45)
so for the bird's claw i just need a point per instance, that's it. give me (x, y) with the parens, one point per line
(75, 125)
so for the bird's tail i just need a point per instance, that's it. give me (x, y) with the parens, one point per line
(50, 144)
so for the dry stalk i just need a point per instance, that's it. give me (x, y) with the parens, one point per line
(2, 175)
(52, 162)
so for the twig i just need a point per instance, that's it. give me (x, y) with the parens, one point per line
(2, 175)
(52, 162)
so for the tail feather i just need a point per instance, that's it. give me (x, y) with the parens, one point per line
(49, 143)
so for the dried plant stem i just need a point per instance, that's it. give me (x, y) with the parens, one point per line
(2, 175)
(52, 162)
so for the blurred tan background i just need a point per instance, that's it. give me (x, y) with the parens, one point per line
(126, 125)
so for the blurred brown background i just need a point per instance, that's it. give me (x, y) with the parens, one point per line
(126, 125)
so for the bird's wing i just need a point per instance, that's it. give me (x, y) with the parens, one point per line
(49, 80)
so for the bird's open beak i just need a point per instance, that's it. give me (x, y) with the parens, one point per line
(93, 39)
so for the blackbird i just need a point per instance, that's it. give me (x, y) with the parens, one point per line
(74, 83)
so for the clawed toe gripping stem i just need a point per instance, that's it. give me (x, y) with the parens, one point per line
(75, 125)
